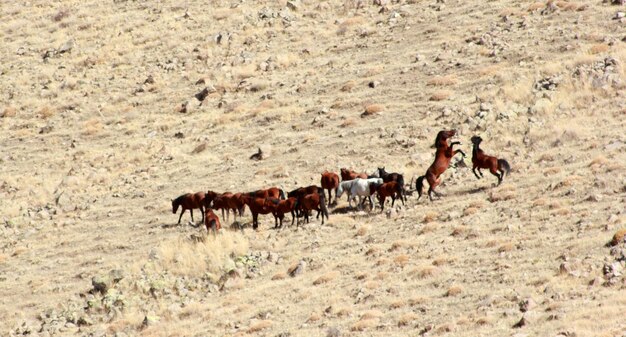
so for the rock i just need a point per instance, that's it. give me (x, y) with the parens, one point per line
(373, 84)
(333, 332)
(116, 275)
(522, 322)
(100, 284)
(150, 320)
(66, 47)
(149, 80)
(619, 15)
(527, 304)
(569, 268)
(293, 5)
(297, 269)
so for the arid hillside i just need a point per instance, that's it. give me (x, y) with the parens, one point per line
(109, 109)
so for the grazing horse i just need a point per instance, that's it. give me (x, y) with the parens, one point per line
(358, 187)
(313, 201)
(330, 181)
(280, 207)
(481, 160)
(211, 221)
(189, 201)
(257, 206)
(351, 175)
(391, 189)
(393, 176)
(443, 156)
(272, 192)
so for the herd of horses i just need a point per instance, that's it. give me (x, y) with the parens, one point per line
(302, 201)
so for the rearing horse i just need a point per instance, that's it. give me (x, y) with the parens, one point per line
(443, 156)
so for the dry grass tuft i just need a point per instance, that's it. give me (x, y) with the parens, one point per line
(430, 216)
(363, 325)
(348, 86)
(8, 112)
(428, 228)
(314, 317)
(362, 231)
(507, 247)
(618, 237)
(401, 260)
(92, 127)
(407, 319)
(326, 278)
(427, 271)
(372, 109)
(372, 314)
(397, 304)
(259, 325)
(598, 48)
(348, 122)
(186, 257)
(279, 276)
(440, 95)
(454, 291)
(439, 81)
(414, 301)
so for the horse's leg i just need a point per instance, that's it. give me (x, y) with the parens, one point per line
(382, 203)
(432, 183)
(255, 220)
(393, 199)
(481, 173)
(495, 173)
(461, 152)
(181, 215)
(476, 174)
(191, 211)
(202, 211)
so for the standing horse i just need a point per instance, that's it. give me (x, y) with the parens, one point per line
(443, 156)
(358, 187)
(330, 181)
(391, 189)
(351, 175)
(280, 207)
(257, 206)
(272, 192)
(313, 201)
(481, 160)
(393, 176)
(211, 221)
(302, 191)
(189, 201)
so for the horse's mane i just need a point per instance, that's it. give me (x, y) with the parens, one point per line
(179, 199)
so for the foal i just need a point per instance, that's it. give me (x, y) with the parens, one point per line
(389, 189)
(443, 156)
(391, 176)
(280, 207)
(189, 201)
(313, 201)
(211, 221)
(480, 160)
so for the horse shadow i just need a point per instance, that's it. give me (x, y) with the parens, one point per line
(475, 190)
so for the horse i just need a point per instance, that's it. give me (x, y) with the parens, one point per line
(391, 176)
(189, 201)
(351, 175)
(272, 192)
(208, 198)
(358, 187)
(280, 207)
(302, 191)
(330, 181)
(391, 189)
(221, 202)
(211, 221)
(313, 201)
(480, 160)
(257, 206)
(443, 156)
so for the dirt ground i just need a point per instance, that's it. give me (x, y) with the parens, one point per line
(102, 125)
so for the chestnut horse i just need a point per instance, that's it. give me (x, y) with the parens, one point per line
(257, 206)
(272, 192)
(280, 207)
(443, 156)
(302, 191)
(351, 175)
(313, 201)
(189, 201)
(211, 221)
(391, 189)
(330, 181)
(221, 201)
(481, 160)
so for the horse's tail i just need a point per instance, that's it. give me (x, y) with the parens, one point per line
(419, 184)
(283, 196)
(401, 183)
(400, 190)
(504, 166)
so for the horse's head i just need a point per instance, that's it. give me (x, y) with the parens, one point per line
(381, 171)
(442, 137)
(476, 140)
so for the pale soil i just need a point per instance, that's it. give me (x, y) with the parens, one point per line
(90, 162)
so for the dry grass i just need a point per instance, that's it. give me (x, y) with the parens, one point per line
(598, 48)
(430, 216)
(259, 325)
(364, 324)
(407, 319)
(440, 95)
(372, 109)
(8, 112)
(440, 81)
(348, 122)
(401, 260)
(618, 237)
(330, 276)
(454, 290)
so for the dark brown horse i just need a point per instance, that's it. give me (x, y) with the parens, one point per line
(330, 181)
(391, 189)
(221, 201)
(211, 221)
(257, 206)
(480, 160)
(208, 198)
(351, 175)
(302, 191)
(280, 208)
(443, 156)
(391, 176)
(310, 202)
(189, 201)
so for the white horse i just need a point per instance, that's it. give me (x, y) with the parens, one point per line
(357, 187)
